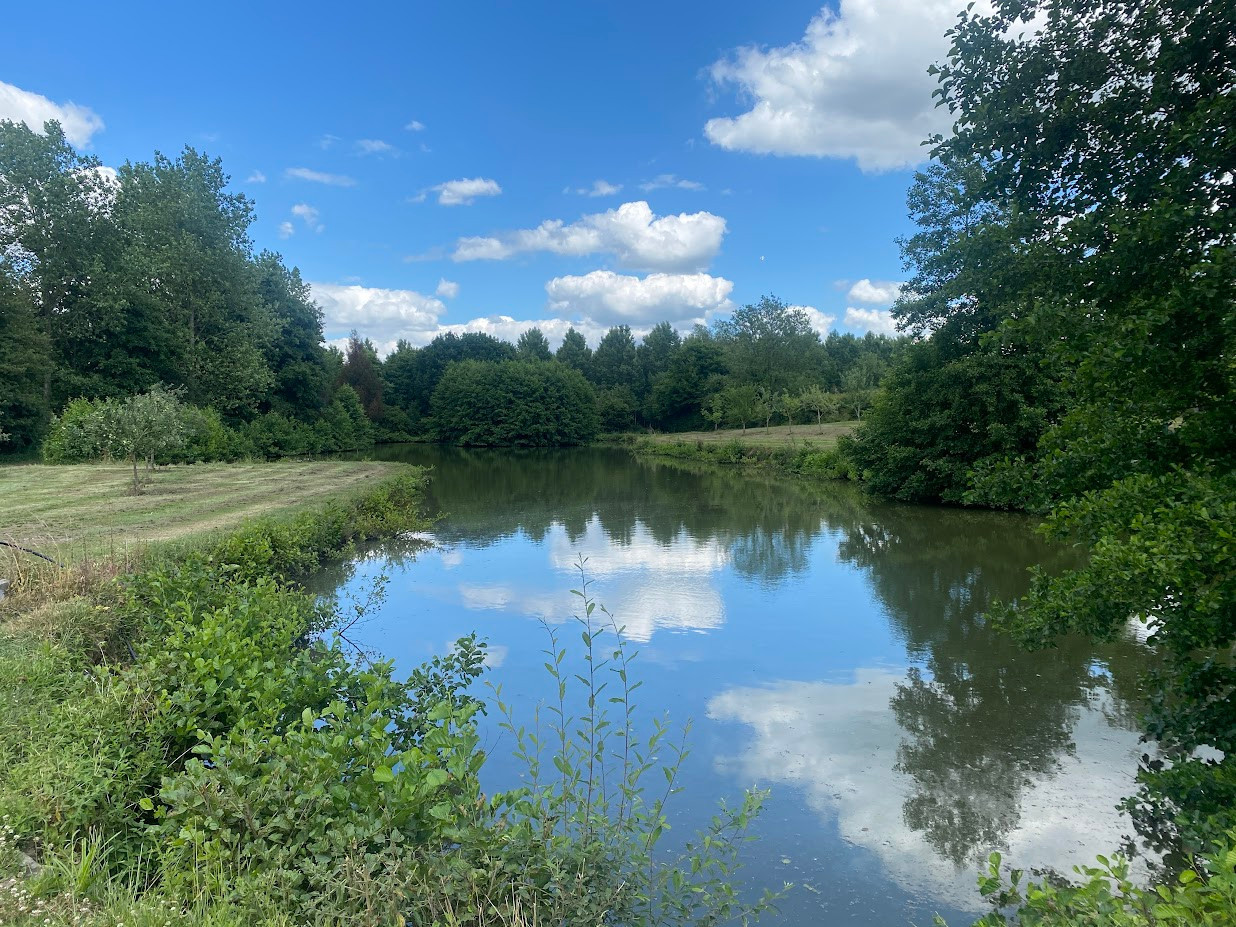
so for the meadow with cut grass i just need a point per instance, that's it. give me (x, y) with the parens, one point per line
(825, 435)
(86, 512)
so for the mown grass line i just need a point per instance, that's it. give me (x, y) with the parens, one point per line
(85, 511)
(825, 435)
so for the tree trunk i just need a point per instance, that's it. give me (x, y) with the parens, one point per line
(136, 485)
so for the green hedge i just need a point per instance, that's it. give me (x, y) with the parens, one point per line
(514, 404)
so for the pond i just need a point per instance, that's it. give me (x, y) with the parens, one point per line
(824, 646)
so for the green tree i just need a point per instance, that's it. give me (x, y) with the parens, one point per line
(140, 428)
(713, 410)
(58, 241)
(980, 388)
(614, 363)
(515, 403)
(815, 400)
(770, 344)
(1108, 137)
(362, 370)
(790, 407)
(677, 395)
(656, 353)
(296, 355)
(742, 404)
(25, 356)
(187, 267)
(574, 352)
(533, 346)
(431, 361)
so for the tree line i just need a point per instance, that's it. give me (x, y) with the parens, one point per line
(763, 364)
(113, 283)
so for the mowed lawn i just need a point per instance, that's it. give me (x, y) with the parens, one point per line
(87, 511)
(824, 435)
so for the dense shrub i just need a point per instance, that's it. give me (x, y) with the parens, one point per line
(616, 409)
(79, 433)
(529, 404)
(70, 439)
(943, 411)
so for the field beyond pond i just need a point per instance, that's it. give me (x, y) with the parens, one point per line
(87, 511)
(825, 435)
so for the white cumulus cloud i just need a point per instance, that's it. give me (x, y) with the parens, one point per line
(381, 314)
(415, 126)
(331, 180)
(256, 177)
(880, 321)
(463, 191)
(78, 122)
(607, 298)
(286, 230)
(877, 293)
(447, 289)
(632, 233)
(821, 322)
(855, 86)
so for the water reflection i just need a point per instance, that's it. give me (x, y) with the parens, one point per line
(836, 647)
(838, 743)
(667, 513)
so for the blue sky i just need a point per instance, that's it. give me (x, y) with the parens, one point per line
(490, 166)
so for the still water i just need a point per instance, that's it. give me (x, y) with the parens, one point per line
(823, 646)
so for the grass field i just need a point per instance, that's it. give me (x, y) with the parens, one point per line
(74, 513)
(776, 436)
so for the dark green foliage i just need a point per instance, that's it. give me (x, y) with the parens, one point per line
(616, 409)
(574, 352)
(419, 370)
(533, 346)
(771, 344)
(535, 404)
(360, 372)
(968, 396)
(943, 411)
(110, 286)
(678, 389)
(297, 356)
(187, 271)
(1107, 143)
(614, 361)
(24, 357)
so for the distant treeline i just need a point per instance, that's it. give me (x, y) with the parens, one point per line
(764, 364)
(114, 282)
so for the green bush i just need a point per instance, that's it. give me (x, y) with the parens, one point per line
(69, 437)
(514, 403)
(1204, 896)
